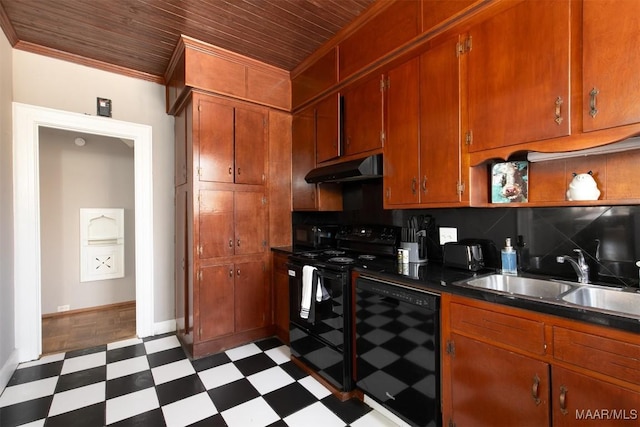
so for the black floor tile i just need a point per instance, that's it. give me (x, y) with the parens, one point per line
(289, 399)
(269, 343)
(25, 412)
(129, 352)
(85, 351)
(349, 410)
(34, 373)
(233, 394)
(166, 356)
(210, 362)
(179, 389)
(81, 378)
(278, 423)
(293, 370)
(215, 421)
(256, 363)
(147, 419)
(128, 384)
(89, 416)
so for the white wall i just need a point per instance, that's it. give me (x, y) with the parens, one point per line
(7, 314)
(99, 174)
(47, 82)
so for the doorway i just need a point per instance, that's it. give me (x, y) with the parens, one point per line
(27, 120)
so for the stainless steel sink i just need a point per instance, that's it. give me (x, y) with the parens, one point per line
(518, 285)
(606, 299)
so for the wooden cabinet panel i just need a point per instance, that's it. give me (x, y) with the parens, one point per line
(396, 25)
(516, 332)
(610, 64)
(251, 296)
(327, 129)
(215, 138)
(280, 282)
(250, 140)
(181, 138)
(622, 169)
(495, 387)
(303, 160)
(216, 302)
(518, 75)
(362, 115)
(319, 76)
(579, 400)
(249, 222)
(435, 12)
(401, 150)
(216, 221)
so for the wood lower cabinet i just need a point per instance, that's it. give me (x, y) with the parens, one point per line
(280, 280)
(505, 366)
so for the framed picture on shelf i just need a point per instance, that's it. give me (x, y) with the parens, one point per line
(510, 182)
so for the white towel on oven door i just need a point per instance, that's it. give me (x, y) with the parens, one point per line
(307, 289)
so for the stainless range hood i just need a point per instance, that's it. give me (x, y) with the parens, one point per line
(353, 170)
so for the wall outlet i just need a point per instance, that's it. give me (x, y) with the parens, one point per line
(448, 234)
(63, 308)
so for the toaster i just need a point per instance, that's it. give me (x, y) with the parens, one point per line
(467, 256)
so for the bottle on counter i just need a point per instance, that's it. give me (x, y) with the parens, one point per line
(509, 258)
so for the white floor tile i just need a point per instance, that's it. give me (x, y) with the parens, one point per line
(243, 351)
(45, 359)
(220, 375)
(128, 405)
(123, 343)
(127, 367)
(28, 391)
(38, 423)
(315, 387)
(373, 419)
(81, 363)
(270, 379)
(161, 344)
(188, 411)
(280, 354)
(77, 398)
(254, 413)
(316, 415)
(172, 371)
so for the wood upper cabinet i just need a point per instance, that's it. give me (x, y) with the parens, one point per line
(231, 141)
(362, 116)
(231, 223)
(610, 64)
(495, 387)
(327, 114)
(422, 149)
(518, 64)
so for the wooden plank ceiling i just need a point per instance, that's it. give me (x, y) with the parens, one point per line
(138, 36)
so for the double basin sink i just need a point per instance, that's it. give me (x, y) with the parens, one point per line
(618, 301)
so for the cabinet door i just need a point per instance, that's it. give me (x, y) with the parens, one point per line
(327, 129)
(251, 296)
(495, 387)
(281, 296)
(401, 152)
(215, 141)
(518, 75)
(216, 217)
(579, 400)
(611, 64)
(440, 124)
(215, 302)
(362, 113)
(250, 146)
(250, 234)
(182, 134)
(303, 160)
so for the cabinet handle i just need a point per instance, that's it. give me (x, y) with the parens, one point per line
(414, 183)
(535, 389)
(238, 171)
(231, 272)
(558, 118)
(388, 193)
(230, 243)
(238, 242)
(563, 400)
(424, 184)
(592, 102)
(230, 170)
(238, 272)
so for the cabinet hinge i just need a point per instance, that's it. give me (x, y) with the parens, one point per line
(200, 250)
(199, 107)
(463, 46)
(264, 122)
(451, 348)
(200, 332)
(383, 137)
(200, 275)
(264, 178)
(460, 188)
(264, 244)
(384, 84)
(468, 137)
(264, 200)
(199, 171)
(451, 423)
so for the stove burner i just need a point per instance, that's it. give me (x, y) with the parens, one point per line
(309, 255)
(367, 257)
(341, 260)
(334, 252)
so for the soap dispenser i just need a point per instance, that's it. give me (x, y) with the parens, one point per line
(509, 258)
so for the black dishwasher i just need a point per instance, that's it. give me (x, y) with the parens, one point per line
(398, 349)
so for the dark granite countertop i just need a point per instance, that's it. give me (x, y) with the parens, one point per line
(286, 250)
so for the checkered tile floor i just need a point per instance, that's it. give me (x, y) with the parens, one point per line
(151, 382)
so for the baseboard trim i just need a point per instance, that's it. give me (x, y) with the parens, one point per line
(164, 327)
(126, 304)
(8, 369)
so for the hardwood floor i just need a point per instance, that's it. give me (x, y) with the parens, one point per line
(86, 328)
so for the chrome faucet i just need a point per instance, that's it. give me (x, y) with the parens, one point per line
(580, 266)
